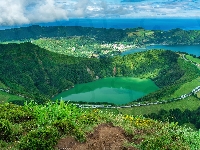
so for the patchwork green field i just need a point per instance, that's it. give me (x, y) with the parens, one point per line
(191, 103)
(184, 89)
(5, 97)
(196, 60)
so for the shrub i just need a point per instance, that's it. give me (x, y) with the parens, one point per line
(29, 125)
(5, 130)
(39, 139)
(68, 127)
(163, 142)
(192, 138)
(14, 113)
(64, 126)
(89, 117)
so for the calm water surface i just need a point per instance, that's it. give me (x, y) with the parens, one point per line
(146, 23)
(190, 49)
(117, 90)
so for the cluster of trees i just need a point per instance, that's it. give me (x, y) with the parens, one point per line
(36, 72)
(177, 36)
(176, 115)
(33, 71)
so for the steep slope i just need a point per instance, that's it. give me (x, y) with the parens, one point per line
(26, 68)
(35, 72)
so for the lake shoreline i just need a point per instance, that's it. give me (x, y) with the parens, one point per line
(183, 48)
(116, 90)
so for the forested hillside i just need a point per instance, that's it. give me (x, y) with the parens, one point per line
(138, 36)
(35, 32)
(176, 115)
(26, 68)
(35, 72)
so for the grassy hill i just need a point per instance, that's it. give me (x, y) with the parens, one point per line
(42, 126)
(196, 60)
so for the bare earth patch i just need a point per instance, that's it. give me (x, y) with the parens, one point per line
(104, 137)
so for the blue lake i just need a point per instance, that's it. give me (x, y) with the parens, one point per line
(190, 49)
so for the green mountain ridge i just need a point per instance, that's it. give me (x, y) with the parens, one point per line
(37, 73)
(138, 35)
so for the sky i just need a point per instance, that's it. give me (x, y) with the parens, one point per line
(19, 12)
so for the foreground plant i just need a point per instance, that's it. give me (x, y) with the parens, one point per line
(41, 126)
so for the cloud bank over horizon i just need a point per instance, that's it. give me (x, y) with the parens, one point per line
(19, 12)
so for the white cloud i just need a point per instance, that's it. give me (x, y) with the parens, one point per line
(47, 11)
(15, 12)
(79, 9)
(12, 12)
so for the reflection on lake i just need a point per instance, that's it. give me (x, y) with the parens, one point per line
(117, 90)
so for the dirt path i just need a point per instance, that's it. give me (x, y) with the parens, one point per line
(104, 137)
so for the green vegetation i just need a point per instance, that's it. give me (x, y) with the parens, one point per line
(176, 36)
(32, 72)
(2, 85)
(191, 103)
(194, 59)
(36, 73)
(6, 97)
(81, 46)
(185, 73)
(176, 115)
(41, 126)
(185, 88)
(198, 94)
(136, 36)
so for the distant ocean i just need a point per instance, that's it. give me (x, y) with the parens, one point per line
(150, 24)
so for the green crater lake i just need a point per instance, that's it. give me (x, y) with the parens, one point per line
(117, 90)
